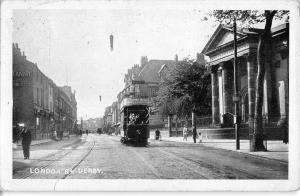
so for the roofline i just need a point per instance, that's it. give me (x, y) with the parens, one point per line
(274, 31)
(211, 39)
(147, 64)
(225, 45)
(219, 28)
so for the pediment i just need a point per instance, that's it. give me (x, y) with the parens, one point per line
(221, 36)
(226, 38)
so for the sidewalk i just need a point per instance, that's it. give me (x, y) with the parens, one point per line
(276, 149)
(36, 142)
(43, 153)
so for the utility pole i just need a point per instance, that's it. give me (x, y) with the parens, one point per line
(236, 95)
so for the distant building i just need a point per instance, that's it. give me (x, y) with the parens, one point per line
(92, 124)
(38, 102)
(220, 51)
(115, 114)
(107, 120)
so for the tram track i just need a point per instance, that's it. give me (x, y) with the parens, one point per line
(60, 155)
(216, 171)
(46, 162)
(80, 161)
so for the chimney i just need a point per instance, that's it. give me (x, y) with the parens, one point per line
(144, 61)
(24, 55)
(176, 58)
(14, 49)
(200, 59)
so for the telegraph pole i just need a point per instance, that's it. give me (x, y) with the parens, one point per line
(236, 95)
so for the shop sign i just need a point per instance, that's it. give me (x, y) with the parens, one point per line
(26, 74)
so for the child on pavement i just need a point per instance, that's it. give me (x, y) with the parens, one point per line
(200, 137)
(185, 133)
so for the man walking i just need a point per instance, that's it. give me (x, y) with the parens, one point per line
(26, 141)
(195, 135)
(157, 134)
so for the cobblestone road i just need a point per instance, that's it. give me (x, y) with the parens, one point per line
(104, 157)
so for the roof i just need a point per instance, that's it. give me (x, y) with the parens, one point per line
(223, 35)
(221, 29)
(150, 73)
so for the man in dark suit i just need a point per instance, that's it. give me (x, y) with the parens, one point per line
(26, 141)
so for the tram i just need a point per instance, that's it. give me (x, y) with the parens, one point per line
(135, 122)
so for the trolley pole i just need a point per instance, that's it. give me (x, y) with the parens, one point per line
(236, 96)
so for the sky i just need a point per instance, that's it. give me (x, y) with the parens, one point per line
(72, 46)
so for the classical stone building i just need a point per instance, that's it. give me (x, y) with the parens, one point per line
(220, 51)
(37, 101)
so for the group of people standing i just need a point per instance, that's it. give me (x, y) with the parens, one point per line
(185, 133)
(196, 135)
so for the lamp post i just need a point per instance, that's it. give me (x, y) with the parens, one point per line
(236, 96)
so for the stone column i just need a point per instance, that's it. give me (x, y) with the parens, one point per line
(243, 111)
(251, 70)
(215, 95)
(227, 88)
(220, 92)
(282, 99)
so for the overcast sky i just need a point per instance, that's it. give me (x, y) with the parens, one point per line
(72, 46)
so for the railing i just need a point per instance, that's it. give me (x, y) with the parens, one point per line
(205, 121)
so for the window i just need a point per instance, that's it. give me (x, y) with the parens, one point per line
(37, 122)
(37, 96)
(277, 64)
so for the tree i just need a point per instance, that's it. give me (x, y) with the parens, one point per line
(185, 90)
(166, 105)
(251, 17)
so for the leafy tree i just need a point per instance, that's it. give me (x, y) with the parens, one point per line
(166, 105)
(250, 17)
(185, 89)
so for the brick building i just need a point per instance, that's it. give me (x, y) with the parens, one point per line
(142, 82)
(37, 101)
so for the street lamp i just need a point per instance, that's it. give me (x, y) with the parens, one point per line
(236, 96)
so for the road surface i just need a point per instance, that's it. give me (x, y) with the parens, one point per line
(104, 157)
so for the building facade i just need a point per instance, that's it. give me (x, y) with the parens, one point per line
(107, 120)
(36, 99)
(142, 82)
(220, 51)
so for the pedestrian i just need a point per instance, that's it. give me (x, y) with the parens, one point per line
(195, 135)
(200, 137)
(138, 137)
(87, 132)
(283, 125)
(157, 134)
(185, 133)
(26, 141)
(55, 136)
